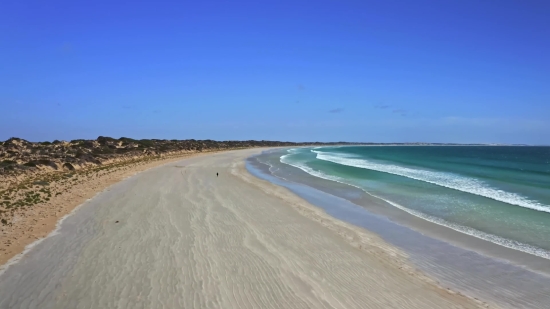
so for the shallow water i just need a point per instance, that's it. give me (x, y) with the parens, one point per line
(499, 194)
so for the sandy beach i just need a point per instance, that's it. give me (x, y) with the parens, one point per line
(179, 236)
(67, 192)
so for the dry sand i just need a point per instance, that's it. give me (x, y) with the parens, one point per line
(177, 236)
(32, 223)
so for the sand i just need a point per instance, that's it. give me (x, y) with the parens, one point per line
(29, 224)
(178, 236)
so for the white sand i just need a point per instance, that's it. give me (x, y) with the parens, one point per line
(189, 239)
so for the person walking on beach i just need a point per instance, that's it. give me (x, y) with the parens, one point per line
(216, 174)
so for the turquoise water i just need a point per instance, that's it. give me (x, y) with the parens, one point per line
(500, 194)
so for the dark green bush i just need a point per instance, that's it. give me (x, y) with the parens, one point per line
(147, 143)
(7, 162)
(80, 153)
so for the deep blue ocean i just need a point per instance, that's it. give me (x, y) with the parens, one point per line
(499, 194)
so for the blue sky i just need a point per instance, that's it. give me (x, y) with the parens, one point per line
(381, 71)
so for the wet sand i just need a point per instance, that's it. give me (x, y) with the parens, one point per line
(177, 236)
(470, 265)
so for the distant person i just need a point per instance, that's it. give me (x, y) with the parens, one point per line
(216, 174)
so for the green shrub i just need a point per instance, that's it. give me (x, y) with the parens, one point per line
(126, 140)
(7, 162)
(146, 143)
(123, 150)
(103, 150)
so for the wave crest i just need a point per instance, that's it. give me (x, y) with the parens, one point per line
(513, 244)
(447, 180)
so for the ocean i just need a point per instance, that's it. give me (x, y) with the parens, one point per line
(499, 194)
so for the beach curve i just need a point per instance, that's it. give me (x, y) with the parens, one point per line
(178, 236)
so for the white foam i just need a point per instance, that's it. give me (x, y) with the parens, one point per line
(293, 150)
(508, 243)
(271, 168)
(447, 180)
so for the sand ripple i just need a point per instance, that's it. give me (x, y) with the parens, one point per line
(188, 239)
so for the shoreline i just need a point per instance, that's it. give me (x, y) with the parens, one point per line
(480, 261)
(360, 237)
(436, 230)
(33, 225)
(297, 253)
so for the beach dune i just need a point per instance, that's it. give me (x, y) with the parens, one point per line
(179, 236)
